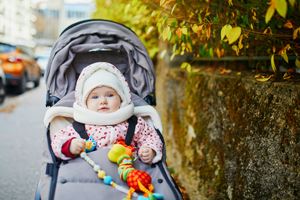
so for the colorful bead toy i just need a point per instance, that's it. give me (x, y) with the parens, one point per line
(137, 180)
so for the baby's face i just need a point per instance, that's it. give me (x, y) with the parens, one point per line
(103, 99)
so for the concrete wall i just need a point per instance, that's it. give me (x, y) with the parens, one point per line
(229, 136)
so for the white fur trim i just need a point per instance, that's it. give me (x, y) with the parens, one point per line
(149, 111)
(59, 123)
(87, 116)
(53, 112)
(142, 111)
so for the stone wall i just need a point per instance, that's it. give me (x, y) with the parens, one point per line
(229, 136)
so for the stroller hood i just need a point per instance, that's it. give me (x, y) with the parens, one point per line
(92, 41)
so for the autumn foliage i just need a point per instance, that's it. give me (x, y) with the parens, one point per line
(213, 28)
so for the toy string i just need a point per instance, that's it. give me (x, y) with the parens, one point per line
(102, 175)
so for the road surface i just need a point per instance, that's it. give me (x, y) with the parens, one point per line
(21, 131)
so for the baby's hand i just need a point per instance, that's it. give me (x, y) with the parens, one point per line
(77, 146)
(146, 154)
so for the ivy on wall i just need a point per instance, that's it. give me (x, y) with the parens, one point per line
(212, 29)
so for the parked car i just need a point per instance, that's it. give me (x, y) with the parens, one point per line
(19, 66)
(2, 85)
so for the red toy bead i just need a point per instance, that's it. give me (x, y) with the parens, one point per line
(138, 175)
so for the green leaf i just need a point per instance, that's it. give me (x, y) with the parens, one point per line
(269, 14)
(174, 47)
(184, 31)
(127, 8)
(281, 7)
(195, 28)
(187, 66)
(169, 35)
(173, 8)
(224, 30)
(211, 52)
(292, 2)
(234, 34)
(149, 30)
(297, 63)
(165, 34)
(273, 63)
(285, 57)
(173, 55)
(215, 20)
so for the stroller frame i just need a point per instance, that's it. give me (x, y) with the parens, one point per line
(79, 45)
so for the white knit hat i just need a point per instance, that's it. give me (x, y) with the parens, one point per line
(103, 78)
(101, 74)
(96, 75)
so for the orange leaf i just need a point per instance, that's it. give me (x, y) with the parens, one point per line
(263, 78)
(268, 31)
(219, 52)
(288, 24)
(240, 45)
(287, 76)
(285, 57)
(236, 49)
(208, 32)
(224, 71)
(178, 32)
(295, 33)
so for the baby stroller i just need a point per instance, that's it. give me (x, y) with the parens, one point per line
(78, 46)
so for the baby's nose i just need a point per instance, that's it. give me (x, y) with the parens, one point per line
(103, 100)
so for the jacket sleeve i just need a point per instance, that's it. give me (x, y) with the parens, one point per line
(146, 136)
(59, 138)
(65, 149)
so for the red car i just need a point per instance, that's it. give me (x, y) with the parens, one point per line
(19, 66)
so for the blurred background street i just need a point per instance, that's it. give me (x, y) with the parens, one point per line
(21, 122)
(28, 29)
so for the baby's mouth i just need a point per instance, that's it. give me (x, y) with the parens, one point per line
(103, 109)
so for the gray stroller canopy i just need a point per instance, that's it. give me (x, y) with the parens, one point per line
(92, 41)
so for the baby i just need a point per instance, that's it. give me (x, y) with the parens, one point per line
(103, 103)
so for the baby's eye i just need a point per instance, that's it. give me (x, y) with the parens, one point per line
(110, 95)
(94, 97)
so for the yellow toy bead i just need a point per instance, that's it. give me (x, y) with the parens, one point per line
(101, 174)
(88, 145)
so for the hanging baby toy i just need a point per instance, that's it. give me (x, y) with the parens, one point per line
(137, 180)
